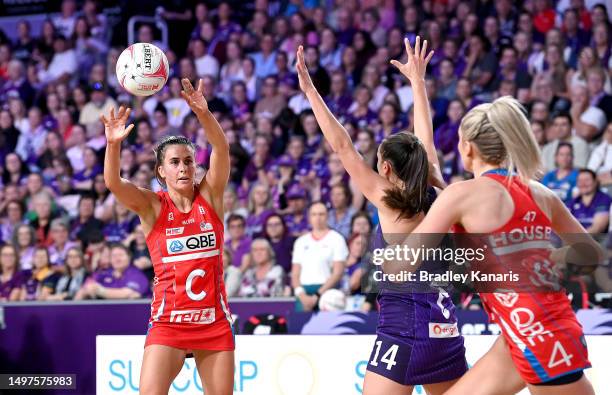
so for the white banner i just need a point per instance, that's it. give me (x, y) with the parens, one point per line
(295, 365)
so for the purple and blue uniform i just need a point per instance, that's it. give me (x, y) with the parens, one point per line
(418, 340)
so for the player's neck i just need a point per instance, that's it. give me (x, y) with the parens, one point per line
(480, 168)
(183, 201)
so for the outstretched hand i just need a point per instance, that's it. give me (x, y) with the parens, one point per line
(306, 84)
(194, 97)
(114, 126)
(414, 69)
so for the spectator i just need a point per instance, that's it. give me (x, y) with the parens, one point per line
(141, 258)
(24, 241)
(318, 260)
(447, 80)
(353, 271)
(262, 276)
(24, 44)
(600, 161)
(271, 102)
(446, 137)
(84, 179)
(12, 217)
(341, 213)
(40, 282)
(338, 100)
(231, 206)
(121, 281)
(99, 104)
(598, 97)
(318, 73)
(265, 58)
(16, 85)
(232, 276)
(176, 107)
(481, 64)
(31, 141)
(61, 243)
(10, 134)
(260, 207)
(66, 21)
(361, 224)
(205, 63)
(601, 42)
(276, 232)
(215, 104)
(83, 225)
(591, 206)
(329, 50)
(10, 278)
(589, 121)
(239, 243)
(122, 224)
(76, 152)
(562, 127)
(63, 64)
(71, 282)
(41, 218)
(296, 218)
(232, 68)
(562, 180)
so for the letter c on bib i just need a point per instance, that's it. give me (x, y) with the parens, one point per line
(192, 275)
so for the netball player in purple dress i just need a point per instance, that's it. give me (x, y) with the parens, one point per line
(418, 340)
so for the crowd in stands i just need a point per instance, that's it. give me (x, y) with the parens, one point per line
(65, 237)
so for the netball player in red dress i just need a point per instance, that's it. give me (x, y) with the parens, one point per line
(542, 344)
(189, 312)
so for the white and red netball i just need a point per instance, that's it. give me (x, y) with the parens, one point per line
(142, 69)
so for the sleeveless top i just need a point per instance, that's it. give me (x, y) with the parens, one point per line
(186, 250)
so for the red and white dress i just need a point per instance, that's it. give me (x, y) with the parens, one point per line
(545, 338)
(189, 308)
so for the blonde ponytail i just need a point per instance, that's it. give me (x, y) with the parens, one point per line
(503, 136)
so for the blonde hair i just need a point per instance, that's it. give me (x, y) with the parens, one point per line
(503, 136)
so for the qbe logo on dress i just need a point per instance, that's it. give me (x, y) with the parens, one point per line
(175, 246)
(200, 242)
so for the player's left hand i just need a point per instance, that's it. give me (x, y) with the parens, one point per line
(306, 84)
(414, 69)
(194, 97)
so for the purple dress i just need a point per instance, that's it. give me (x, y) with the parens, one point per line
(7, 287)
(420, 328)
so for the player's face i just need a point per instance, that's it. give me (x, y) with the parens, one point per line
(178, 168)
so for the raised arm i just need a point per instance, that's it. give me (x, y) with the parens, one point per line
(218, 173)
(139, 200)
(414, 69)
(367, 180)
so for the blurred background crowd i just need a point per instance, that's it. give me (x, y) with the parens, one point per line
(65, 237)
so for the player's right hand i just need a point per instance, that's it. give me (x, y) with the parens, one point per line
(418, 58)
(114, 126)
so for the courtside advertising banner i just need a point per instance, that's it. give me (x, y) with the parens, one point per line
(295, 365)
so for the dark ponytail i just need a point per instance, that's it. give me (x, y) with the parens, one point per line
(160, 152)
(408, 159)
